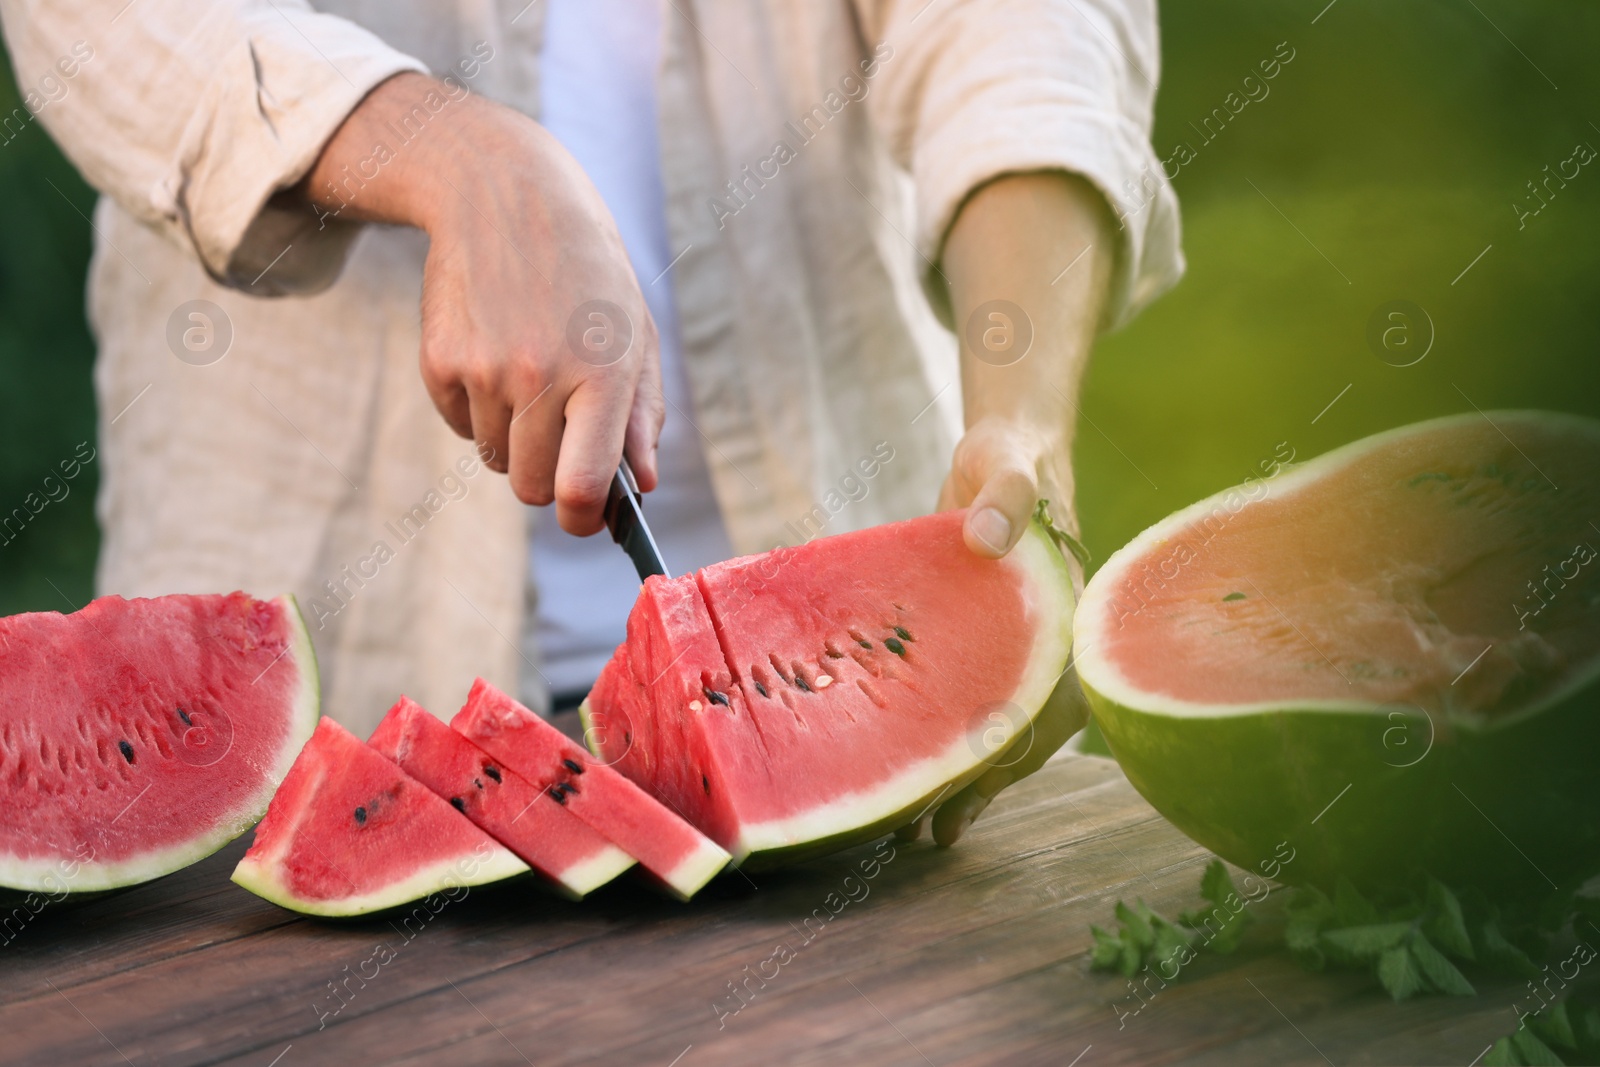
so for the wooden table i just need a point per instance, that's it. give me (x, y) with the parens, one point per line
(974, 955)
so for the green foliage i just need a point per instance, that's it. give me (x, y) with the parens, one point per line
(1567, 1032)
(1410, 945)
(1225, 922)
(1145, 939)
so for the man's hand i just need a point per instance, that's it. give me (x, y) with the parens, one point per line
(1029, 261)
(536, 341)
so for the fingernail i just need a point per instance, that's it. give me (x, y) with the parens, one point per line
(992, 528)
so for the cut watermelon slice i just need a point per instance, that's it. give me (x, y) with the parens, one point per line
(678, 855)
(1387, 658)
(139, 736)
(349, 834)
(520, 815)
(810, 697)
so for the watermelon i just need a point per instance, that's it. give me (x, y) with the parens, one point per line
(520, 815)
(139, 736)
(810, 697)
(679, 856)
(349, 833)
(1383, 661)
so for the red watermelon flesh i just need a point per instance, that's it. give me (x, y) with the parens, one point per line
(678, 855)
(349, 833)
(810, 696)
(515, 812)
(138, 736)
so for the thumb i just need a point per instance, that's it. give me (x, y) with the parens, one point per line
(999, 513)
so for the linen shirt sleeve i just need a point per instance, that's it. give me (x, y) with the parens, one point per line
(974, 89)
(191, 114)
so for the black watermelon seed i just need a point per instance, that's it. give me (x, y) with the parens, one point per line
(556, 793)
(492, 771)
(800, 683)
(716, 697)
(127, 750)
(894, 645)
(902, 634)
(761, 689)
(705, 783)
(864, 643)
(184, 715)
(569, 787)
(478, 783)
(572, 765)
(459, 804)
(361, 816)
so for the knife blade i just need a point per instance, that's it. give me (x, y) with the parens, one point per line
(625, 519)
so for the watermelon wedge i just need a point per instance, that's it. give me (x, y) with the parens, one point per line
(807, 698)
(521, 816)
(349, 833)
(139, 736)
(1385, 659)
(680, 857)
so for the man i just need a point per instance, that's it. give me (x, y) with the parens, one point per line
(832, 180)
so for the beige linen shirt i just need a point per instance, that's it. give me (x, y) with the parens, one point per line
(814, 155)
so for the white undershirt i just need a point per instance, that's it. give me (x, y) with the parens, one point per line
(598, 97)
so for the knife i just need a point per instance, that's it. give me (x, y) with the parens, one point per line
(625, 519)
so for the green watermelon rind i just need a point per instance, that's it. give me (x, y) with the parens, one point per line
(1252, 781)
(871, 814)
(92, 878)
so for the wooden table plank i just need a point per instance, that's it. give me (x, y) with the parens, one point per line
(974, 955)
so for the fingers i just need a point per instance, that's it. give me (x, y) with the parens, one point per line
(597, 417)
(1064, 714)
(913, 831)
(1000, 511)
(536, 430)
(491, 421)
(644, 426)
(959, 812)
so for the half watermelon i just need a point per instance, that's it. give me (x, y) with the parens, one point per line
(349, 834)
(520, 815)
(1383, 660)
(810, 697)
(139, 736)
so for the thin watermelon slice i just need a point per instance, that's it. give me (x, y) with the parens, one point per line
(801, 700)
(349, 833)
(139, 736)
(521, 816)
(1383, 660)
(681, 858)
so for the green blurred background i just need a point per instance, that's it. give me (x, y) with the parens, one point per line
(1396, 140)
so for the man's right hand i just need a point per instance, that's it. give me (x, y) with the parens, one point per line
(523, 349)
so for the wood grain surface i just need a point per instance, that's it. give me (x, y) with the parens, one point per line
(912, 955)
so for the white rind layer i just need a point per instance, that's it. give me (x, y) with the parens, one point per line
(1098, 673)
(585, 876)
(696, 869)
(37, 874)
(262, 880)
(1047, 584)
